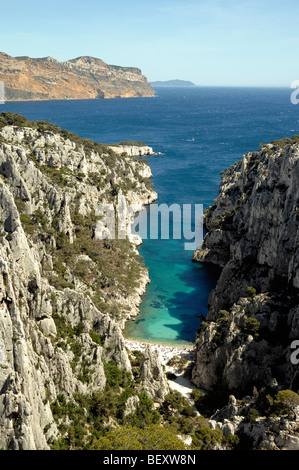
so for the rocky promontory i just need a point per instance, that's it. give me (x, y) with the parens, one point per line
(46, 78)
(133, 149)
(247, 339)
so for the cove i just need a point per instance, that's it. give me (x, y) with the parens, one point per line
(175, 298)
(199, 131)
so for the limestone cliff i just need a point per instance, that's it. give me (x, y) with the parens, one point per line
(253, 236)
(63, 292)
(25, 78)
(133, 150)
(152, 376)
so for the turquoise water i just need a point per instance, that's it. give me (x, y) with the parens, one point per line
(200, 132)
(176, 295)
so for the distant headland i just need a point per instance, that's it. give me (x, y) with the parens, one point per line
(173, 83)
(46, 78)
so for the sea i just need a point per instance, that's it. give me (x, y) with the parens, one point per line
(196, 133)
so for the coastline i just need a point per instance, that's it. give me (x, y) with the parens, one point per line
(76, 99)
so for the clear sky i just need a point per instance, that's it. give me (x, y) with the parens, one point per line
(210, 42)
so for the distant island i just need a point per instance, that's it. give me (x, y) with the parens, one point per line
(173, 83)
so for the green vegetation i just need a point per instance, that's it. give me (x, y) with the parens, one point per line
(133, 438)
(96, 338)
(282, 143)
(251, 292)
(177, 362)
(104, 270)
(117, 378)
(103, 266)
(67, 338)
(12, 119)
(83, 421)
(251, 326)
(64, 329)
(283, 403)
(88, 430)
(31, 223)
(99, 409)
(136, 358)
(106, 265)
(252, 416)
(225, 218)
(57, 176)
(175, 401)
(223, 316)
(208, 403)
(205, 438)
(133, 143)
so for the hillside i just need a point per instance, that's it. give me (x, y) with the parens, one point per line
(46, 78)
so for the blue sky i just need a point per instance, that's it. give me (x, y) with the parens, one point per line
(210, 42)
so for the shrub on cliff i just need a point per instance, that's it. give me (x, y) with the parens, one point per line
(252, 416)
(283, 403)
(251, 326)
(206, 438)
(12, 119)
(251, 292)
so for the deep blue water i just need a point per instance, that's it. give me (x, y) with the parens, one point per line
(199, 131)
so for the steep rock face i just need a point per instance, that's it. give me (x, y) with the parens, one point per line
(253, 311)
(63, 293)
(25, 78)
(152, 376)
